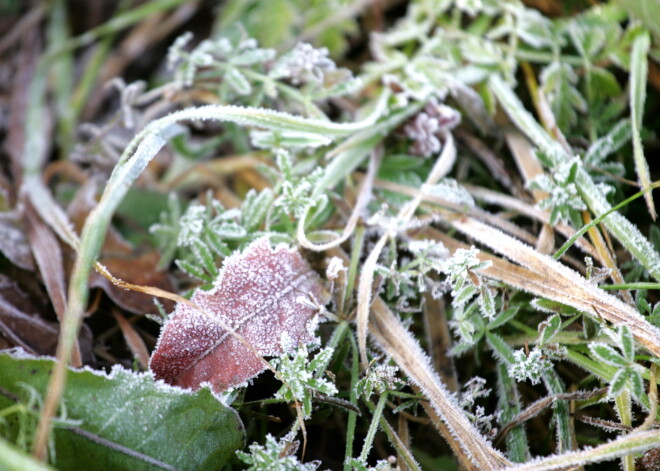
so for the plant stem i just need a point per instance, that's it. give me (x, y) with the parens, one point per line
(352, 416)
(373, 427)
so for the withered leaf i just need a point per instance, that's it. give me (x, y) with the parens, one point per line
(260, 293)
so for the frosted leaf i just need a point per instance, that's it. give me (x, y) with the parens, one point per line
(303, 64)
(256, 294)
(449, 189)
(13, 240)
(192, 224)
(275, 455)
(530, 366)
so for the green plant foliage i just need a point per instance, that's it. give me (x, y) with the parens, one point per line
(281, 21)
(126, 421)
(394, 181)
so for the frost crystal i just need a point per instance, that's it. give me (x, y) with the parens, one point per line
(530, 366)
(335, 266)
(563, 195)
(449, 189)
(192, 224)
(381, 378)
(301, 377)
(255, 295)
(275, 456)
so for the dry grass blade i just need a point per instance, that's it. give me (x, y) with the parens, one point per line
(363, 198)
(133, 340)
(48, 255)
(506, 201)
(530, 168)
(624, 446)
(475, 212)
(404, 349)
(539, 405)
(438, 337)
(551, 279)
(441, 167)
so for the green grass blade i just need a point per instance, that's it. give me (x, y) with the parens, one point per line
(638, 72)
(624, 231)
(509, 403)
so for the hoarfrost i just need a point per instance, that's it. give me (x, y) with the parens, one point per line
(256, 295)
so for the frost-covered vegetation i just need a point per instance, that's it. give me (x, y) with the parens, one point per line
(354, 235)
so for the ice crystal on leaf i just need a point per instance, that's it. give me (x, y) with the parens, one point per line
(380, 378)
(463, 274)
(335, 267)
(628, 373)
(301, 377)
(255, 295)
(473, 390)
(563, 196)
(529, 366)
(275, 456)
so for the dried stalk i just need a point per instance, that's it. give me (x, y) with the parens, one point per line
(404, 349)
(442, 166)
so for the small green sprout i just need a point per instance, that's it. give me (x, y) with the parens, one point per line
(275, 455)
(300, 377)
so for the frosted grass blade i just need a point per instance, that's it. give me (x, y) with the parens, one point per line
(638, 72)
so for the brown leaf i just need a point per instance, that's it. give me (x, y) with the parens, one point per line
(261, 293)
(21, 322)
(122, 260)
(133, 339)
(13, 240)
(139, 270)
(48, 255)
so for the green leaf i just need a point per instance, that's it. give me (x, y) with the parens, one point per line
(637, 383)
(508, 401)
(204, 256)
(645, 11)
(559, 82)
(143, 206)
(627, 343)
(128, 421)
(618, 382)
(552, 326)
(500, 348)
(486, 301)
(503, 317)
(607, 355)
(255, 207)
(229, 230)
(610, 143)
(238, 82)
(561, 414)
(604, 83)
(463, 295)
(193, 270)
(15, 459)
(216, 244)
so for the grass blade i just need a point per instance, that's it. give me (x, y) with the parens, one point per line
(638, 72)
(626, 232)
